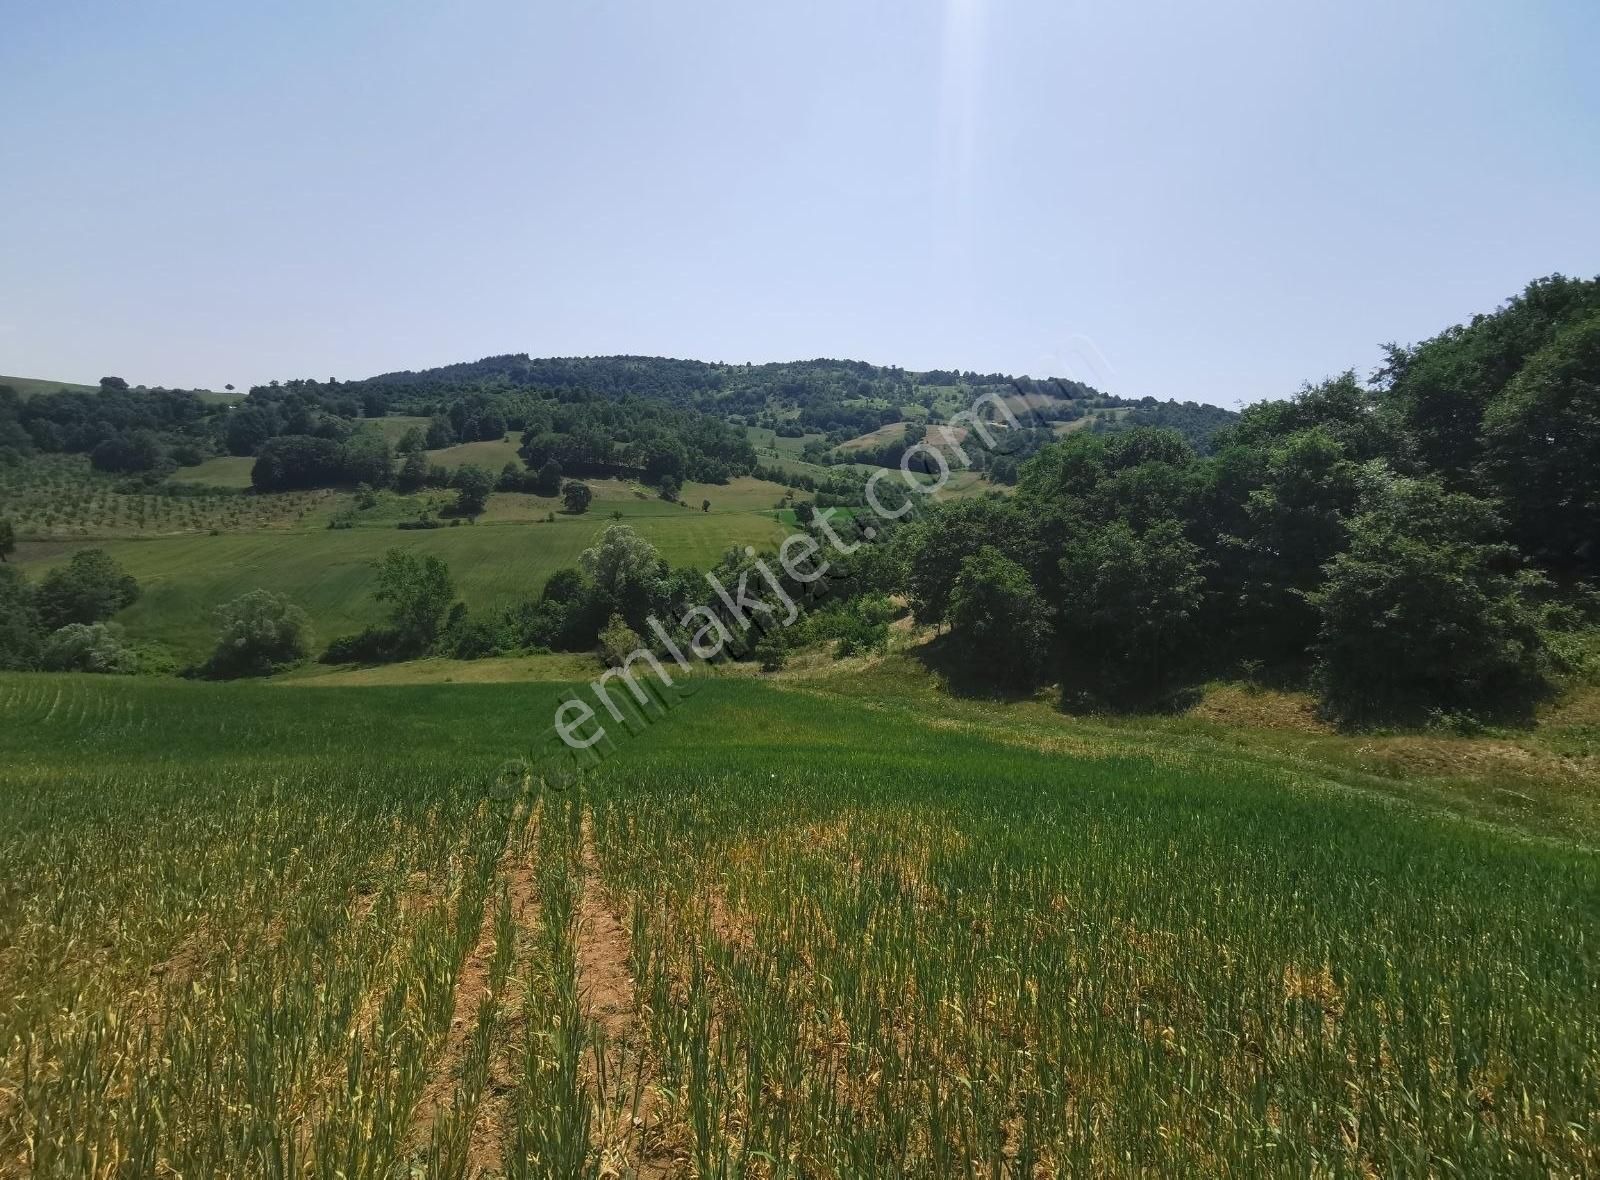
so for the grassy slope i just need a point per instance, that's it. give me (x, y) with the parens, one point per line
(33, 386)
(328, 572)
(221, 471)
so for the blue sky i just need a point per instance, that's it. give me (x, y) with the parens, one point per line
(1210, 201)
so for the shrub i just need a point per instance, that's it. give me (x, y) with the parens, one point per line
(260, 633)
(89, 647)
(772, 652)
(618, 641)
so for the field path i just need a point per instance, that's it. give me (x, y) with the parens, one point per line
(629, 1134)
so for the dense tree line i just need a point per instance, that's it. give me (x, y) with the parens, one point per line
(1418, 546)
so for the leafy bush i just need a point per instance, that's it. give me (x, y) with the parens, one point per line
(90, 647)
(772, 651)
(260, 633)
(618, 641)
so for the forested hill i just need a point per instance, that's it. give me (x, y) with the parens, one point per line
(839, 397)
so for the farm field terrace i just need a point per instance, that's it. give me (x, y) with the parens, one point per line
(269, 929)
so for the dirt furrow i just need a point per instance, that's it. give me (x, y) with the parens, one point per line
(627, 1128)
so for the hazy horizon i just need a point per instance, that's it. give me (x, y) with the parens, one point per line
(1213, 206)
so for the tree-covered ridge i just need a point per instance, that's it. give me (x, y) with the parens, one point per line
(591, 415)
(1424, 545)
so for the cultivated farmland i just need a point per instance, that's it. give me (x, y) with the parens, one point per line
(270, 930)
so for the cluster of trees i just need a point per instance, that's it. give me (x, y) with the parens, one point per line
(62, 623)
(1415, 547)
(1198, 424)
(140, 432)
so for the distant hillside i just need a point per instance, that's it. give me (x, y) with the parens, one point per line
(27, 387)
(837, 399)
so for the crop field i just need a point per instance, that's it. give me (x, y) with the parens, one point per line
(329, 572)
(59, 497)
(274, 930)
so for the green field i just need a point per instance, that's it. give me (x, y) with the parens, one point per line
(494, 454)
(221, 471)
(329, 572)
(844, 929)
(27, 387)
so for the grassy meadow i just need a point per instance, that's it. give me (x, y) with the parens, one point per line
(329, 573)
(793, 929)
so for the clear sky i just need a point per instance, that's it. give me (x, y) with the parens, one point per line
(1197, 200)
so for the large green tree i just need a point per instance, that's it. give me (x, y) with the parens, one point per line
(1542, 439)
(20, 629)
(998, 622)
(576, 496)
(627, 572)
(90, 588)
(1129, 611)
(1427, 612)
(418, 590)
(473, 485)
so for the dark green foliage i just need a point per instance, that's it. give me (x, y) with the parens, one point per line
(1445, 386)
(293, 461)
(473, 485)
(1289, 526)
(16, 444)
(946, 539)
(1542, 441)
(90, 588)
(20, 630)
(248, 428)
(576, 496)
(548, 480)
(440, 433)
(1427, 613)
(413, 472)
(8, 539)
(128, 454)
(998, 622)
(365, 457)
(772, 650)
(1129, 611)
